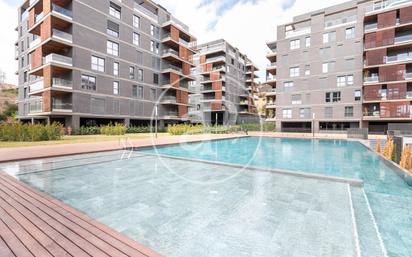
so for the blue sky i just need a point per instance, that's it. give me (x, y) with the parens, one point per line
(246, 24)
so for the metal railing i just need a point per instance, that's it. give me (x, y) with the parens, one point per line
(63, 35)
(384, 4)
(62, 11)
(172, 67)
(58, 58)
(59, 82)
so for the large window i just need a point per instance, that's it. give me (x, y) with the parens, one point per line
(349, 111)
(294, 44)
(153, 94)
(350, 33)
(296, 99)
(112, 29)
(136, 39)
(329, 37)
(358, 95)
(307, 41)
(294, 72)
(97, 64)
(140, 74)
(136, 21)
(154, 31)
(116, 69)
(154, 47)
(137, 91)
(112, 48)
(288, 86)
(116, 88)
(115, 10)
(304, 113)
(332, 97)
(88, 83)
(328, 67)
(343, 81)
(131, 72)
(287, 113)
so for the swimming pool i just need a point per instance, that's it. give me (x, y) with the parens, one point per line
(183, 207)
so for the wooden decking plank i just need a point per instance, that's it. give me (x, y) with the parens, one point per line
(19, 250)
(65, 236)
(122, 242)
(27, 239)
(48, 242)
(4, 249)
(62, 220)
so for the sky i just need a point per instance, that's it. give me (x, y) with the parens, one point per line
(245, 24)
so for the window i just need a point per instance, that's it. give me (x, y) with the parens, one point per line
(136, 38)
(140, 74)
(287, 113)
(307, 41)
(329, 37)
(139, 91)
(136, 21)
(116, 88)
(154, 31)
(112, 48)
(328, 67)
(153, 94)
(112, 29)
(88, 82)
(139, 57)
(343, 81)
(349, 111)
(294, 71)
(154, 47)
(288, 86)
(155, 78)
(294, 44)
(350, 33)
(329, 112)
(304, 113)
(358, 95)
(97, 64)
(307, 70)
(155, 63)
(332, 97)
(115, 10)
(134, 91)
(131, 73)
(296, 99)
(116, 69)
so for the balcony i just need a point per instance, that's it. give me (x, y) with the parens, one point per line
(169, 99)
(59, 106)
(213, 48)
(170, 114)
(384, 4)
(24, 16)
(58, 59)
(62, 11)
(403, 38)
(371, 27)
(59, 82)
(170, 51)
(35, 43)
(298, 32)
(190, 45)
(371, 79)
(36, 85)
(216, 59)
(272, 65)
(62, 35)
(141, 9)
(36, 106)
(397, 58)
(168, 68)
(244, 102)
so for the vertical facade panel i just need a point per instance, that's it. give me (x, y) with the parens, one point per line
(387, 19)
(405, 15)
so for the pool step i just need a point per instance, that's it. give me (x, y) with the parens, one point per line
(369, 238)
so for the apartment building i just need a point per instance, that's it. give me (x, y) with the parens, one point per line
(387, 88)
(91, 62)
(270, 88)
(225, 85)
(346, 66)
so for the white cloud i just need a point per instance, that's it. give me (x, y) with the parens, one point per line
(8, 22)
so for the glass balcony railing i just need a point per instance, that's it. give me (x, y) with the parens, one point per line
(63, 35)
(270, 78)
(172, 67)
(24, 15)
(62, 11)
(403, 38)
(170, 51)
(372, 26)
(397, 58)
(373, 78)
(218, 47)
(385, 4)
(59, 82)
(408, 75)
(170, 113)
(169, 98)
(38, 17)
(36, 85)
(272, 64)
(57, 58)
(141, 9)
(215, 59)
(298, 32)
(192, 44)
(61, 106)
(35, 42)
(36, 106)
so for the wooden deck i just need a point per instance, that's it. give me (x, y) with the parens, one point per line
(34, 224)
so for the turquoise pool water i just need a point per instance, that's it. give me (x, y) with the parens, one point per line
(189, 208)
(389, 196)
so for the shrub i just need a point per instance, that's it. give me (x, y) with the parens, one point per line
(406, 161)
(144, 129)
(113, 130)
(19, 132)
(87, 131)
(184, 129)
(258, 127)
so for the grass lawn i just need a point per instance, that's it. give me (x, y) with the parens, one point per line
(80, 139)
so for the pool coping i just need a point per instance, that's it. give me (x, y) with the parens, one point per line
(350, 181)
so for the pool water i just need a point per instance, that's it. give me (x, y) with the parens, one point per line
(184, 207)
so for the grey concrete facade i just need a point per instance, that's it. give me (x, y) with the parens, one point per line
(127, 93)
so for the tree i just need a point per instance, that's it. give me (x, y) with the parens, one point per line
(406, 161)
(9, 112)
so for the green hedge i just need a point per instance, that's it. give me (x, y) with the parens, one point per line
(19, 132)
(188, 129)
(258, 127)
